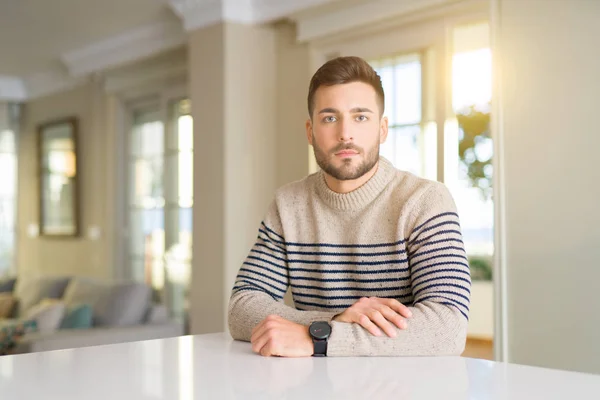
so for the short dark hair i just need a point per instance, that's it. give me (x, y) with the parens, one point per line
(342, 70)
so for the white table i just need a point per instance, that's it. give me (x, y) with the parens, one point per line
(216, 367)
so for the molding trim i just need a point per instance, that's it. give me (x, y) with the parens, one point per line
(128, 47)
(314, 27)
(197, 14)
(46, 83)
(12, 89)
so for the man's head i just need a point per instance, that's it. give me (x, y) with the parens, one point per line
(346, 124)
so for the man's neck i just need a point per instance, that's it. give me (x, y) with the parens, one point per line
(344, 187)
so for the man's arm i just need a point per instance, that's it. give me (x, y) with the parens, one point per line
(440, 281)
(262, 281)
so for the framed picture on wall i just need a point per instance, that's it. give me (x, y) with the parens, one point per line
(58, 178)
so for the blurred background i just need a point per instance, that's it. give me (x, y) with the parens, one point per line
(141, 141)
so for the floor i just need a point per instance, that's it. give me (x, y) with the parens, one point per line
(479, 348)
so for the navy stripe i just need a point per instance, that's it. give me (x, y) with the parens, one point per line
(308, 278)
(284, 284)
(268, 254)
(445, 298)
(349, 271)
(358, 289)
(319, 262)
(334, 306)
(346, 246)
(446, 303)
(460, 271)
(318, 296)
(444, 263)
(278, 250)
(434, 227)
(329, 262)
(259, 289)
(263, 268)
(435, 234)
(438, 256)
(455, 306)
(452, 278)
(444, 285)
(268, 262)
(431, 219)
(269, 239)
(447, 240)
(253, 281)
(272, 231)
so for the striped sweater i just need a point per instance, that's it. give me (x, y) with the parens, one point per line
(397, 236)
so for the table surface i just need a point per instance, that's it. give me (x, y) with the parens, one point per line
(216, 367)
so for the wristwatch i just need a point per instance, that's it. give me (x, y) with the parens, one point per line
(319, 332)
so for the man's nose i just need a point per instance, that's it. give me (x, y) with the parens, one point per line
(345, 131)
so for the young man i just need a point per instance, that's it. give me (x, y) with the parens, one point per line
(374, 256)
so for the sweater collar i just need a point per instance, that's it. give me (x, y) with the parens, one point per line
(360, 197)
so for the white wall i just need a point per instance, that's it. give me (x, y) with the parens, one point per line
(481, 310)
(549, 63)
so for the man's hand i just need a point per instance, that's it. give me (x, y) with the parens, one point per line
(373, 313)
(276, 336)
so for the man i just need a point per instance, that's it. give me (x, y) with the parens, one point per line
(373, 255)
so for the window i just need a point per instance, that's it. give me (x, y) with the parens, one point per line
(411, 143)
(468, 146)
(8, 189)
(160, 200)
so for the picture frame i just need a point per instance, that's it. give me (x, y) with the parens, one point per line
(58, 178)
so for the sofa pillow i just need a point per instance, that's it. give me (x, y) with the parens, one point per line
(125, 303)
(7, 304)
(7, 284)
(86, 291)
(11, 331)
(30, 292)
(77, 316)
(47, 315)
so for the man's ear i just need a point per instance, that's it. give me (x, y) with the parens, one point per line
(383, 130)
(309, 129)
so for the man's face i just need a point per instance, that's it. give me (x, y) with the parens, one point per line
(346, 130)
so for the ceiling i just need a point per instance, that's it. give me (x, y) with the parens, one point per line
(35, 33)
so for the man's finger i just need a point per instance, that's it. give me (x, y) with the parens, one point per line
(366, 323)
(383, 323)
(399, 308)
(265, 324)
(392, 316)
(259, 342)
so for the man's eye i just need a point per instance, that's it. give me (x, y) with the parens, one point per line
(330, 118)
(361, 118)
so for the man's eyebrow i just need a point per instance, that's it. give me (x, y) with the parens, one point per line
(328, 110)
(354, 110)
(361, 110)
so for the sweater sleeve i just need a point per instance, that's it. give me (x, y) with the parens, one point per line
(440, 284)
(262, 281)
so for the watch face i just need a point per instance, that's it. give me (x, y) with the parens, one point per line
(320, 330)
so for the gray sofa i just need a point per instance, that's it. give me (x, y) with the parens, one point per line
(120, 312)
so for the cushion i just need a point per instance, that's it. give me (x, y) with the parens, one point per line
(77, 316)
(125, 304)
(85, 291)
(11, 331)
(7, 284)
(30, 292)
(113, 304)
(7, 305)
(47, 315)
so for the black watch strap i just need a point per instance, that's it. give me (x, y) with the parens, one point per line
(320, 348)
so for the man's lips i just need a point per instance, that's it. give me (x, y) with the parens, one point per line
(346, 153)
